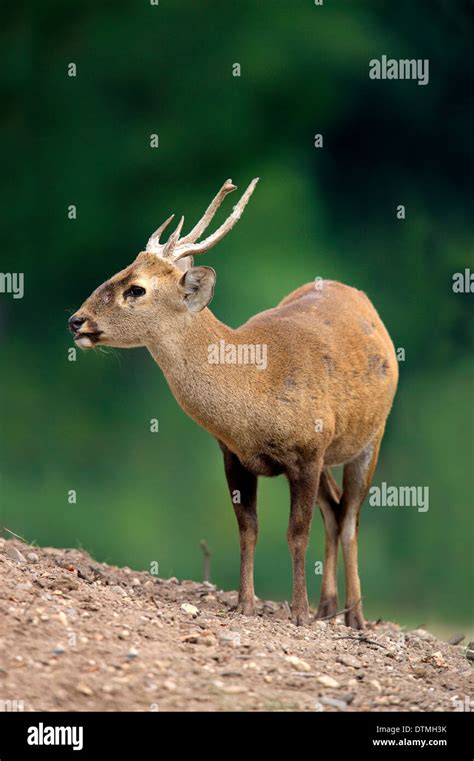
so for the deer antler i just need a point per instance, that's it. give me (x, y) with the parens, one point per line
(176, 248)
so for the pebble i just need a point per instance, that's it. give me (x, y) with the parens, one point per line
(15, 555)
(456, 639)
(190, 610)
(84, 689)
(230, 638)
(328, 681)
(59, 650)
(436, 659)
(62, 618)
(297, 663)
(170, 685)
(132, 653)
(119, 590)
(124, 634)
(349, 660)
(233, 689)
(421, 633)
(32, 557)
(341, 704)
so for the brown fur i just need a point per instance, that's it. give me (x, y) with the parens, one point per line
(329, 359)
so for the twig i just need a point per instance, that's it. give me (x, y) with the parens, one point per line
(364, 639)
(13, 534)
(339, 612)
(206, 560)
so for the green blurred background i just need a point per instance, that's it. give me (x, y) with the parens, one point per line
(329, 212)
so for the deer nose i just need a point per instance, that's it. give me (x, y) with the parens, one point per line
(75, 323)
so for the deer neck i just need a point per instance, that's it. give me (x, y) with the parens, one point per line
(200, 387)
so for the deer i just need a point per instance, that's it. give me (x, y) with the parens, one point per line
(321, 398)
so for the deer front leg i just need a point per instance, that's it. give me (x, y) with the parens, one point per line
(243, 493)
(303, 490)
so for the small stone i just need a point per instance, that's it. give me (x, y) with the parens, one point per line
(348, 697)
(84, 689)
(59, 650)
(436, 659)
(421, 633)
(375, 683)
(456, 639)
(124, 634)
(470, 654)
(32, 557)
(62, 618)
(15, 555)
(229, 638)
(234, 689)
(170, 685)
(132, 653)
(190, 610)
(349, 660)
(297, 663)
(135, 582)
(341, 704)
(328, 681)
(119, 590)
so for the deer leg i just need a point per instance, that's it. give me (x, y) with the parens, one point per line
(243, 493)
(328, 500)
(303, 491)
(356, 482)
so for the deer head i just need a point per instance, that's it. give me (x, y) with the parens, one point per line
(160, 290)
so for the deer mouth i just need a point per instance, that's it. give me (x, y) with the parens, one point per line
(87, 340)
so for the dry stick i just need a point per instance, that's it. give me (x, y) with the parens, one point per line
(206, 560)
(364, 639)
(339, 612)
(13, 534)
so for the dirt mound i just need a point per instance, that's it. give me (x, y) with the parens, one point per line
(80, 635)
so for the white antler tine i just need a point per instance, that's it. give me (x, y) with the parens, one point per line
(208, 215)
(186, 249)
(173, 239)
(153, 244)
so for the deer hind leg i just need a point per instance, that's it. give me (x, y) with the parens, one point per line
(356, 482)
(328, 499)
(303, 490)
(243, 492)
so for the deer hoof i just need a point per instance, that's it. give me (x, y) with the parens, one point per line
(354, 619)
(300, 618)
(326, 608)
(245, 608)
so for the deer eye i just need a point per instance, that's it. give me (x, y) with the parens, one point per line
(135, 290)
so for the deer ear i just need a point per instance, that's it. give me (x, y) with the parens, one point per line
(197, 287)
